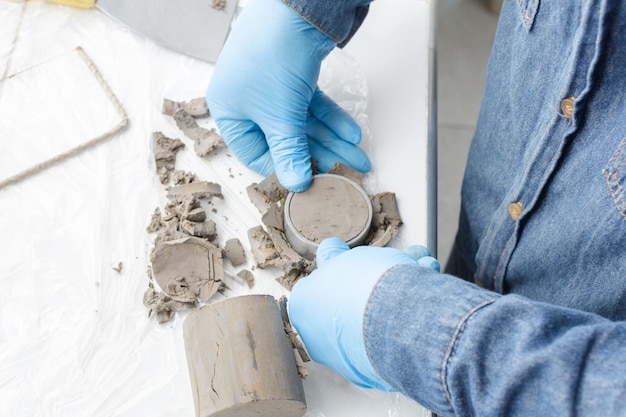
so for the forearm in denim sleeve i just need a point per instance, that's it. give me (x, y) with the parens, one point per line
(461, 350)
(411, 321)
(337, 19)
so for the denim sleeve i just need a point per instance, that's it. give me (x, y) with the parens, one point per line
(337, 19)
(461, 350)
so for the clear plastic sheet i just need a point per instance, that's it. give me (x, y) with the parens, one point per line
(75, 337)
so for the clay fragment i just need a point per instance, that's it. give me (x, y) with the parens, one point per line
(248, 276)
(263, 250)
(299, 351)
(168, 234)
(289, 259)
(218, 4)
(205, 140)
(155, 222)
(118, 268)
(165, 150)
(163, 305)
(386, 220)
(241, 362)
(270, 249)
(273, 217)
(189, 266)
(183, 177)
(196, 215)
(201, 189)
(196, 107)
(346, 171)
(206, 229)
(264, 193)
(234, 252)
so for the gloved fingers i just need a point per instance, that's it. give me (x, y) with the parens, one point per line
(292, 159)
(429, 262)
(418, 251)
(423, 257)
(334, 117)
(328, 249)
(247, 142)
(339, 151)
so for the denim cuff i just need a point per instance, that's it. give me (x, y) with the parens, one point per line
(337, 19)
(413, 320)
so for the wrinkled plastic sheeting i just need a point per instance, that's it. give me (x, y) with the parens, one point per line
(75, 337)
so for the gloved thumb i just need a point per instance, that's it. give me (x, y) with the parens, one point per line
(328, 249)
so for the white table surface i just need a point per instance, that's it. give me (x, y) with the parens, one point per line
(75, 339)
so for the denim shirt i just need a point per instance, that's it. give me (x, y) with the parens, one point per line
(542, 230)
(337, 19)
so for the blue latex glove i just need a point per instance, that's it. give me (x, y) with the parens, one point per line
(264, 98)
(327, 307)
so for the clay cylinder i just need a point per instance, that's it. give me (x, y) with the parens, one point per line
(241, 361)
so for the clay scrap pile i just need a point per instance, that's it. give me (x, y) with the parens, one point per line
(187, 263)
(271, 248)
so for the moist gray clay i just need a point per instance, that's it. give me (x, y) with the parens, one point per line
(183, 177)
(270, 246)
(333, 206)
(164, 306)
(346, 171)
(164, 150)
(262, 247)
(188, 268)
(241, 361)
(205, 140)
(299, 351)
(199, 189)
(386, 220)
(234, 252)
(218, 4)
(247, 276)
(266, 192)
(196, 107)
(155, 221)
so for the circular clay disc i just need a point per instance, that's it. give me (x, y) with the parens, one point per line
(333, 206)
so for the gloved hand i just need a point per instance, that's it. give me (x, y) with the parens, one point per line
(264, 98)
(327, 307)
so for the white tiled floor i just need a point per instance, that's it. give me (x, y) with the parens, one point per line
(465, 30)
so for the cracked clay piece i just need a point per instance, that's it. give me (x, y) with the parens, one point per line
(247, 276)
(190, 267)
(299, 351)
(182, 177)
(195, 108)
(205, 140)
(241, 361)
(218, 4)
(386, 220)
(165, 150)
(163, 305)
(264, 193)
(233, 251)
(346, 171)
(200, 189)
(263, 250)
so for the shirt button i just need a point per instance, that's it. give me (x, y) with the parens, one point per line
(567, 106)
(515, 209)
